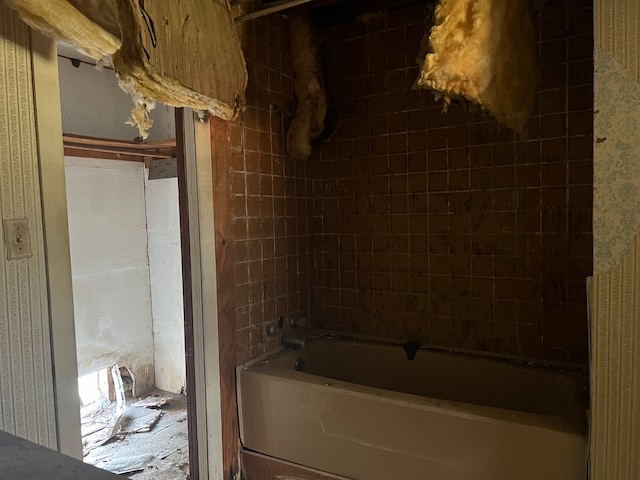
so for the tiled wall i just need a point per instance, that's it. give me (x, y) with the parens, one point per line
(448, 228)
(271, 196)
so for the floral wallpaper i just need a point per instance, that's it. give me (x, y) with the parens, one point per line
(615, 329)
(616, 209)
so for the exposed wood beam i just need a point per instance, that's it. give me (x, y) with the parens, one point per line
(93, 147)
(84, 153)
(273, 8)
(221, 163)
(336, 13)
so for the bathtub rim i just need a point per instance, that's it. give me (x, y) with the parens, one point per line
(568, 368)
(560, 423)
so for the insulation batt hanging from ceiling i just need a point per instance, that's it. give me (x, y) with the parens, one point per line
(484, 52)
(308, 121)
(183, 53)
(90, 26)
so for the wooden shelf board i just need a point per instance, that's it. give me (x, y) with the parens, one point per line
(93, 147)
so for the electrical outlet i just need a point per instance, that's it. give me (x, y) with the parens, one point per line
(16, 238)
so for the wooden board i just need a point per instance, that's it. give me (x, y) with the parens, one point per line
(256, 466)
(226, 308)
(93, 147)
(182, 53)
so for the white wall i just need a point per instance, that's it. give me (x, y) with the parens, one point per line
(108, 226)
(94, 105)
(163, 226)
(110, 268)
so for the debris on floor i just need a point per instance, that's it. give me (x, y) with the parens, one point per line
(126, 464)
(98, 421)
(141, 424)
(147, 441)
(152, 401)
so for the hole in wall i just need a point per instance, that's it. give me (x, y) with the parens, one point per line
(128, 382)
(93, 387)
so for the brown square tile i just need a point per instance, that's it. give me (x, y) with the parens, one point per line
(462, 229)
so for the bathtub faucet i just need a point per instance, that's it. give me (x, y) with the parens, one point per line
(295, 343)
(411, 348)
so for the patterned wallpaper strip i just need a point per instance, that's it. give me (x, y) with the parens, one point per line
(616, 213)
(615, 446)
(616, 31)
(615, 329)
(26, 376)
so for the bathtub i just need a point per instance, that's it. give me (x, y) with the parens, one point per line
(365, 412)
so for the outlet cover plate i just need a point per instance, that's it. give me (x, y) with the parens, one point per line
(16, 238)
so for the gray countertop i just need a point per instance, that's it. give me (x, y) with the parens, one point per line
(24, 460)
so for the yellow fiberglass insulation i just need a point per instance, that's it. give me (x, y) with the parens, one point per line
(308, 121)
(89, 25)
(183, 53)
(484, 51)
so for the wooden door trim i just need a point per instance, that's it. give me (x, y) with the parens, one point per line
(200, 189)
(256, 466)
(56, 232)
(221, 163)
(185, 245)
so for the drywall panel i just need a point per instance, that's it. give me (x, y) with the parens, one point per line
(94, 105)
(109, 264)
(27, 406)
(163, 229)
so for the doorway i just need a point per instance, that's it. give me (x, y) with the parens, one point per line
(126, 263)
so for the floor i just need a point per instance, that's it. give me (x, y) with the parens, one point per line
(152, 442)
(22, 459)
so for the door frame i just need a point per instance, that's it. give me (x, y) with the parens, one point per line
(199, 270)
(48, 122)
(195, 176)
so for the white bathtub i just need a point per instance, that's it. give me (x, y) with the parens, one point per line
(363, 411)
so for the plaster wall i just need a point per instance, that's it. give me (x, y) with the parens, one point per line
(107, 203)
(163, 228)
(110, 267)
